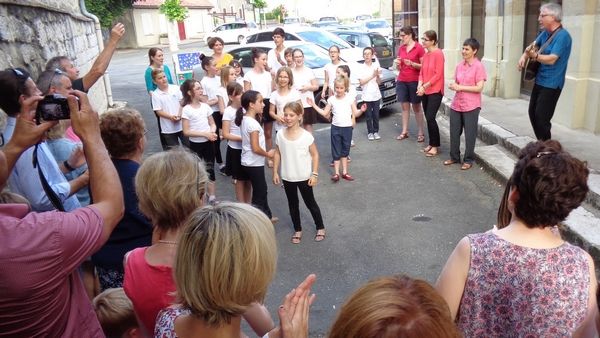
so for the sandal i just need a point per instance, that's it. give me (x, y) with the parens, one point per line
(449, 162)
(297, 237)
(426, 149)
(402, 136)
(347, 177)
(335, 178)
(430, 154)
(320, 236)
(466, 166)
(420, 138)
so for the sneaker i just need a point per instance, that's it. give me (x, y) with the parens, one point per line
(352, 144)
(376, 136)
(370, 137)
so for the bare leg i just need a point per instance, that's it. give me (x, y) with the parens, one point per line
(419, 117)
(268, 135)
(405, 117)
(344, 161)
(336, 167)
(247, 192)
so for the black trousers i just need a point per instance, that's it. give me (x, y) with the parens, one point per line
(541, 109)
(306, 191)
(219, 122)
(431, 105)
(259, 188)
(174, 139)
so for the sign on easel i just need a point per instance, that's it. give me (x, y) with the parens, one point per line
(184, 64)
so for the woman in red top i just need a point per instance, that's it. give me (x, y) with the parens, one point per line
(410, 55)
(431, 88)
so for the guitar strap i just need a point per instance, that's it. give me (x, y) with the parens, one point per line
(549, 39)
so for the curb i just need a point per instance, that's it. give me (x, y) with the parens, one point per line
(497, 154)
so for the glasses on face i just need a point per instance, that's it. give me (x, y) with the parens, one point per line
(544, 15)
(425, 39)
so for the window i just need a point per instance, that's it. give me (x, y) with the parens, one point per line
(378, 40)
(323, 39)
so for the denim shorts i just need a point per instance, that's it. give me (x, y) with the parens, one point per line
(341, 137)
(407, 92)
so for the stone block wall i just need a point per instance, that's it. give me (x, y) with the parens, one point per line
(32, 32)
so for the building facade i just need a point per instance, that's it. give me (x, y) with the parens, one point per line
(504, 29)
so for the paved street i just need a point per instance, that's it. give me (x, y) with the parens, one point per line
(403, 214)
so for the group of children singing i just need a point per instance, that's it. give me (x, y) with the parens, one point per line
(199, 113)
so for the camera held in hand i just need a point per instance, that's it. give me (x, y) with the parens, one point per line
(53, 107)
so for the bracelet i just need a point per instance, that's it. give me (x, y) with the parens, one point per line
(315, 174)
(67, 166)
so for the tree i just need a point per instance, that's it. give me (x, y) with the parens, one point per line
(174, 12)
(279, 13)
(261, 5)
(108, 11)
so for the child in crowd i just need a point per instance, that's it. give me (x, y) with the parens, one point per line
(253, 148)
(289, 59)
(370, 78)
(115, 314)
(343, 107)
(166, 104)
(238, 71)
(331, 71)
(231, 132)
(283, 95)
(227, 76)
(296, 150)
(211, 84)
(199, 126)
(306, 83)
(260, 80)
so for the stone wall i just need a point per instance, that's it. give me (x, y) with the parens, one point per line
(32, 32)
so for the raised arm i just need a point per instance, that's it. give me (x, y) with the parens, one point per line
(105, 185)
(99, 67)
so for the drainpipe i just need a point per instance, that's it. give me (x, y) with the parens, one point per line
(499, 46)
(100, 39)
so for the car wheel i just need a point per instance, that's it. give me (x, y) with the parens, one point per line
(240, 39)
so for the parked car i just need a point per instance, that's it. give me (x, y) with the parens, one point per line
(380, 26)
(316, 57)
(328, 18)
(362, 17)
(233, 32)
(326, 24)
(382, 48)
(317, 36)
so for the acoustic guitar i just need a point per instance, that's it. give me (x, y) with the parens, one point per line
(531, 66)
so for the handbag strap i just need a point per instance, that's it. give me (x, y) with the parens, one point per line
(549, 39)
(52, 196)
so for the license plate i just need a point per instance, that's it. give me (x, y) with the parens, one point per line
(389, 92)
(385, 52)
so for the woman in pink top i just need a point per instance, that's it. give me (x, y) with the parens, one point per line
(170, 185)
(464, 113)
(410, 56)
(431, 88)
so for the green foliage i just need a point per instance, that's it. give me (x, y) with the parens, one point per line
(278, 13)
(108, 11)
(173, 10)
(260, 4)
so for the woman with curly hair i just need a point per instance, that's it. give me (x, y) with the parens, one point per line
(524, 280)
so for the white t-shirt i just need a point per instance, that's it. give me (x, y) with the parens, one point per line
(240, 80)
(198, 118)
(211, 87)
(168, 102)
(296, 162)
(249, 158)
(261, 82)
(303, 77)
(272, 61)
(341, 109)
(280, 102)
(331, 70)
(229, 115)
(370, 91)
(222, 92)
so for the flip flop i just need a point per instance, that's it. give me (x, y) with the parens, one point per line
(320, 236)
(420, 138)
(426, 149)
(402, 136)
(466, 166)
(296, 239)
(430, 154)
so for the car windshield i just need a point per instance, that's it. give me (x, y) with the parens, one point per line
(378, 41)
(324, 39)
(376, 24)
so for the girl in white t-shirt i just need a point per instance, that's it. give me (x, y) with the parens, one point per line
(280, 97)
(306, 83)
(296, 151)
(239, 71)
(331, 71)
(343, 108)
(227, 75)
(253, 149)
(231, 132)
(260, 80)
(211, 83)
(199, 126)
(369, 78)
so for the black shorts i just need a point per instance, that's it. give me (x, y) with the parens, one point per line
(310, 116)
(407, 92)
(266, 117)
(206, 152)
(234, 161)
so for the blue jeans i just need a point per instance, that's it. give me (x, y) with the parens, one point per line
(341, 137)
(372, 114)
